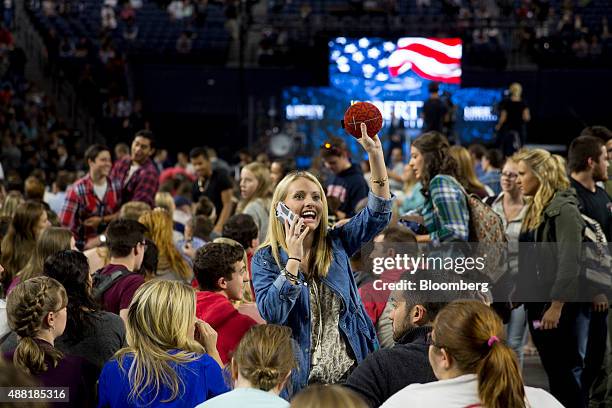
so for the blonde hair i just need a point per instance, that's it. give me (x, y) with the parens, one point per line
(51, 241)
(12, 200)
(264, 356)
(323, 396)
(550, 171)
(473, 334)
(322, 257)
(132, 210)
(247, 295)
(159, 230)
(515, 90)
(27, 306)
(165, 201)
(160, 317)
(465, 168)
(262, 174)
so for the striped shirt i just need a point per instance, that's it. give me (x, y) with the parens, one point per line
(446, 213)
(512, 229)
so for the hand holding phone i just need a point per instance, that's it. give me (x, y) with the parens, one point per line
(284, 213)
(295, 230)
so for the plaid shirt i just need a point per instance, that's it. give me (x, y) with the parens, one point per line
(446, 213)
(143, 184)
(82, 203)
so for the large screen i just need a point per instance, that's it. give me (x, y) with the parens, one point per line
(394, 74)
(379, 69)
(317, 111)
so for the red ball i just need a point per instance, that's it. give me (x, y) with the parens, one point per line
(362, 112)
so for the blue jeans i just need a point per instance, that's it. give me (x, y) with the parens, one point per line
(516, 332)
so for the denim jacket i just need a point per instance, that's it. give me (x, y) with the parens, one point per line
(280, 302)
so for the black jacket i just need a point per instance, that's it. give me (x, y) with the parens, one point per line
(555, 274)
(389, 370)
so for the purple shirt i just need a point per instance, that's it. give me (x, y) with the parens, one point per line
(76, 373)
(120, 294)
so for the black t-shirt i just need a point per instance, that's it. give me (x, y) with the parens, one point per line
(514, 111)
(596, 205)
(433, 114)
(219, 181)
(350, 187)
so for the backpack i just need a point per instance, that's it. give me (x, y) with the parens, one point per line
(487, 229)
(102, 282)
(596, 258)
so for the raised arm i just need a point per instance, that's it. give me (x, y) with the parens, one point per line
(380, 180)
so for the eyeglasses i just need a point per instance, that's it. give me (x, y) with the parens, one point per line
(509, 175)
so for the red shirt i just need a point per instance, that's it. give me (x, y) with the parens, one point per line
(375, 300)
(230, 325)
(119, 296)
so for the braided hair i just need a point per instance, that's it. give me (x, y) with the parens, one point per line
(27, 307)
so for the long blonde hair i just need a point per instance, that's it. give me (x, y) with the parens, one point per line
(27, 306)
(51, 241)
(159, 226)
(160, 317)
(276, 231)
(262, 174)
(550, 171)
(465, 172)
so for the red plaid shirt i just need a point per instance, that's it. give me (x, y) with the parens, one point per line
(143, 184)
(82, 203)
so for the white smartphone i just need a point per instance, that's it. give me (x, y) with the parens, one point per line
(283, 213)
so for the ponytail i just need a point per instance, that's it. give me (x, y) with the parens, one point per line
(499, 380)
(264, 356)
(472, 333)
(30, 356)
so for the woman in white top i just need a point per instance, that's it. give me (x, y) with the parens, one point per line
(474, 365)
(260, 368)
(511, 206)
(255, 193)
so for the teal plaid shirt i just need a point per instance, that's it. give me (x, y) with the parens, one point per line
(446, 212)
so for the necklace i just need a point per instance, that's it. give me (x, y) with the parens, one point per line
(316, 354)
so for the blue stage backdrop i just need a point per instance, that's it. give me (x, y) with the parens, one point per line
(394, 75)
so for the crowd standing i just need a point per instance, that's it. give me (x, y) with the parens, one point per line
(133, 281)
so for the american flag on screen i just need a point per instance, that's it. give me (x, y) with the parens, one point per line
(430, 58)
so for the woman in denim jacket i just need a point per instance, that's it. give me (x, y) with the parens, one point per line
(303, 280)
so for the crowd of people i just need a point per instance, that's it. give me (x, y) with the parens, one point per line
(142, 283)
